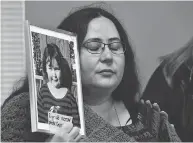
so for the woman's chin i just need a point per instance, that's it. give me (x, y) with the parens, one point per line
(107, 84)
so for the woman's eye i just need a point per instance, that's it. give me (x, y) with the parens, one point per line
(115, 46)
(94, 46)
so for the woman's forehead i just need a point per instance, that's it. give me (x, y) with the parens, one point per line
(101, 28)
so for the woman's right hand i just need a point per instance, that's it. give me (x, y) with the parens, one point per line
(67, 133)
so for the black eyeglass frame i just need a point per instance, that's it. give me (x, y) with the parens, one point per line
(103, 47)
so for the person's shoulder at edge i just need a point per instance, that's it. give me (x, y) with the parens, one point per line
(16, 120)
(21, 99)
(14, 117)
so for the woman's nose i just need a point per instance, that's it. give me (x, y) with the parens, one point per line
(106, 55)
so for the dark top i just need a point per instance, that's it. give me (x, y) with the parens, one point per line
(176, 101)
(67, 105)
(16, 126)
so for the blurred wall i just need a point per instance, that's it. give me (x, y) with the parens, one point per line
(12, 46)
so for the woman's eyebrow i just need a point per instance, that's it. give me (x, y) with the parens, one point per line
(93, 39)
(100, 40)
(114, 39)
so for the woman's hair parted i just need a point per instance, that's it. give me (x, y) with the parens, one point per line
(78, 21)
(52, 52)
(173, 61)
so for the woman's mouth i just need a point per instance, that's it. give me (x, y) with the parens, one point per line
(106, 72)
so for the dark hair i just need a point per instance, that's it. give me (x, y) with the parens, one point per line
(51, 52)
(78, 21)
(173, 61)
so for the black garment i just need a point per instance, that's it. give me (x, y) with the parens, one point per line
(176, 101)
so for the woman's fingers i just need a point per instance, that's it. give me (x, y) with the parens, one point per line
(67, 127)
(142, 101)
(67, 133)
(79, 137)
(156, 107)
(148, 108)
(148, 103)
(74, 133)
(153, 116)
(145, 110)
(172, 125)
(64, 131)
(164, 115)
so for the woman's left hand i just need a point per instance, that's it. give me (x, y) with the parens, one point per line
(156, 120)
(151, 116)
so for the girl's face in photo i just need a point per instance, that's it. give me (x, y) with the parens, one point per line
(104, 70)
(54, 73)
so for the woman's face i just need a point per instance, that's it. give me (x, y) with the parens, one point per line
(103, 70)
(54, 73)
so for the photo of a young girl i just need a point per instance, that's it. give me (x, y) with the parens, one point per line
(55, 93)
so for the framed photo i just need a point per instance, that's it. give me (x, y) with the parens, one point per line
(54, 79)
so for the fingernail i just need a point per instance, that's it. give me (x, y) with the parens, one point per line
(155, 104)
(147, 101)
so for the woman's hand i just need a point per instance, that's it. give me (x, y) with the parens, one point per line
(67, 133)
(151, 116)
(156, 121)
(152, 108)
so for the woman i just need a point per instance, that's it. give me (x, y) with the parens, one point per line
(110, 84)
(55, 93)
(171, 86)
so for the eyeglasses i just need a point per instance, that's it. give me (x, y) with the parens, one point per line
(96, 47)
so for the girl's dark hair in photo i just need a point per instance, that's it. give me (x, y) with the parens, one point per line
(78, 22)
(52, 52)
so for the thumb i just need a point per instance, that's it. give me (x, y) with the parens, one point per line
(67, 127)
